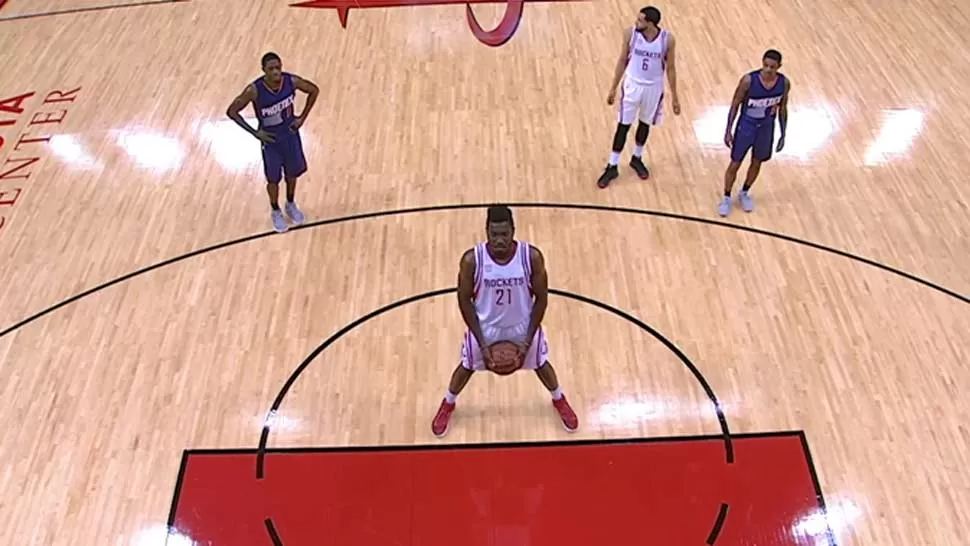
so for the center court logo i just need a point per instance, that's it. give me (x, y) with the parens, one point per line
(495, 37)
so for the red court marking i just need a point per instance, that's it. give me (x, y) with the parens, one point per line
(343, 7)
(657, 493)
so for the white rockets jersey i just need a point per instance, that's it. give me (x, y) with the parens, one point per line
(647, 61)
(503, 293)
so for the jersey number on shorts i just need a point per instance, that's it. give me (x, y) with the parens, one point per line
(504, 296)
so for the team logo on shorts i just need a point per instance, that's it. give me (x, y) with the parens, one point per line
(495, 37)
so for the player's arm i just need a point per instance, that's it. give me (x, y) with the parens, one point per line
(236, 106)
(621, 62)
(540, 288)
(740, 92)
(783, 111)
(672, 67)
(310, 89)
(466, 295)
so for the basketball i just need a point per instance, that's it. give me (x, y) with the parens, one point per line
(505, 358)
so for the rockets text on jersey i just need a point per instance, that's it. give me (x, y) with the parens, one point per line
(503, 292)
(647, 61)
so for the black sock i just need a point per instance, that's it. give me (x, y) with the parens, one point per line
(274, 206)
(727, 194)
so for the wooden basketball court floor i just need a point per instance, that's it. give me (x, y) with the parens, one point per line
(838, 307)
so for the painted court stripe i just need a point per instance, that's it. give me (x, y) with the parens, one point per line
(70, 11)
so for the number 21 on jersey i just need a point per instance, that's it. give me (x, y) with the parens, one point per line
(503, 296)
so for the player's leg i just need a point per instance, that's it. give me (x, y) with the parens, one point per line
(651, 113)
(760, 153)
(273, 169)
(754, 168)
(538, 359)
(471, 361)
(730, 175)
(629, 102)
(294, 166)
(636, 161)
(744, 137)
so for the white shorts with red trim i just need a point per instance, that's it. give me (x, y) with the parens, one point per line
(538, 355)
(648, 100)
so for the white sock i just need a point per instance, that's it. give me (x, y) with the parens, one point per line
(614, 158)
(557, 394)
(450, 397)
(638, 151)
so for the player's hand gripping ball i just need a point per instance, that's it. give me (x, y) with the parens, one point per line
(505, 358)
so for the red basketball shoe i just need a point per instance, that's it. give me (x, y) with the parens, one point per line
(439, 425)
(566, 413)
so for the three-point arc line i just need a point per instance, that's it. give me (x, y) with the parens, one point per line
(470, 206)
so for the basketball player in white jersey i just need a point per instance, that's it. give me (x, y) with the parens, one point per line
(647, 54)
(502, 295)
